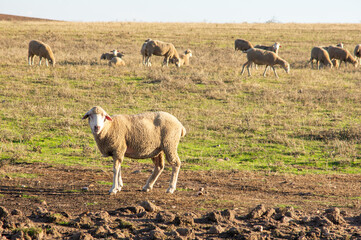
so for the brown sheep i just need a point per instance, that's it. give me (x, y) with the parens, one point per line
(242, 45)
(42, 50)
(341, 54)
(321, 56)
(264, 57)
(159, 48)
(145, 135)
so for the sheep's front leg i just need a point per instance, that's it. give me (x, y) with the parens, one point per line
(274, 70)
(265, 71)
(46, 62)
(158, 169)
(165, 62)
(117, 178)
(244, 65)
(147, 61)
(248, 66)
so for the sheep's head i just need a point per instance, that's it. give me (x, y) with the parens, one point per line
(176, 61)
(276, 46)
(340, 45)
(115, 52)
(188, 51)
(97, 117)
(354, 62)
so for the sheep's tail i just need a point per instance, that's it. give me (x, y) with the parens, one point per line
(183, 132)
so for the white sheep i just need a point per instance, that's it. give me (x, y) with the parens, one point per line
(242, 45)
(273, 48)
(42, 50)
(110, 55)
(116, 61)
(342, 55)
(357, 51)
(145, 135)
(321, 56)
(159, 48)
(264, 57)
(143, 51)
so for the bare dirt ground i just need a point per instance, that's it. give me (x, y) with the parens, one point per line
(73, 203)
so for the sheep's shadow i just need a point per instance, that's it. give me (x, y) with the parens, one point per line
(79, 63)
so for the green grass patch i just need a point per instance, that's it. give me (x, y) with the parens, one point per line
(105, 183)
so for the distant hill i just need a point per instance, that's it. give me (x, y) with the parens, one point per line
(7, 17)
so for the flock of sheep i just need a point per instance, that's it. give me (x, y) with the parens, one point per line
(149, 48)
(152, 134)
(259, 55)
(268, 55)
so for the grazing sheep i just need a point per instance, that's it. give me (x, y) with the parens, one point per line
(42, 50)
(357, 51)
(145, 135)
(341, 54)
(159, 48)
(242, 45)
(320, 55)
(184, 58)
(116, 61)
(143, 51)
(264, 57)
(273, 48)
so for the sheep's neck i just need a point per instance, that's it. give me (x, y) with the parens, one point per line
(103, 139)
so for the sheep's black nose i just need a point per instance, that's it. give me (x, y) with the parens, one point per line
(96, 128)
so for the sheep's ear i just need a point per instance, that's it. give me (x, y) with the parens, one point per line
(85, 116)
(108, 118)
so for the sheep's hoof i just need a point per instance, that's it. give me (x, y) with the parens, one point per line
(146, 189)
(170, 190)
(114, 191)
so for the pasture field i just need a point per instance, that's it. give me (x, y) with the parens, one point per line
(276, 137)
(304, 122)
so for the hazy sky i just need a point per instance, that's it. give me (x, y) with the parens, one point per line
(220, 11)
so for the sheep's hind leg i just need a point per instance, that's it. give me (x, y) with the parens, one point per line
(117, 177)
(173, 159)
(158, 169)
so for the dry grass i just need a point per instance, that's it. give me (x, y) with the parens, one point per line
(307, 118)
